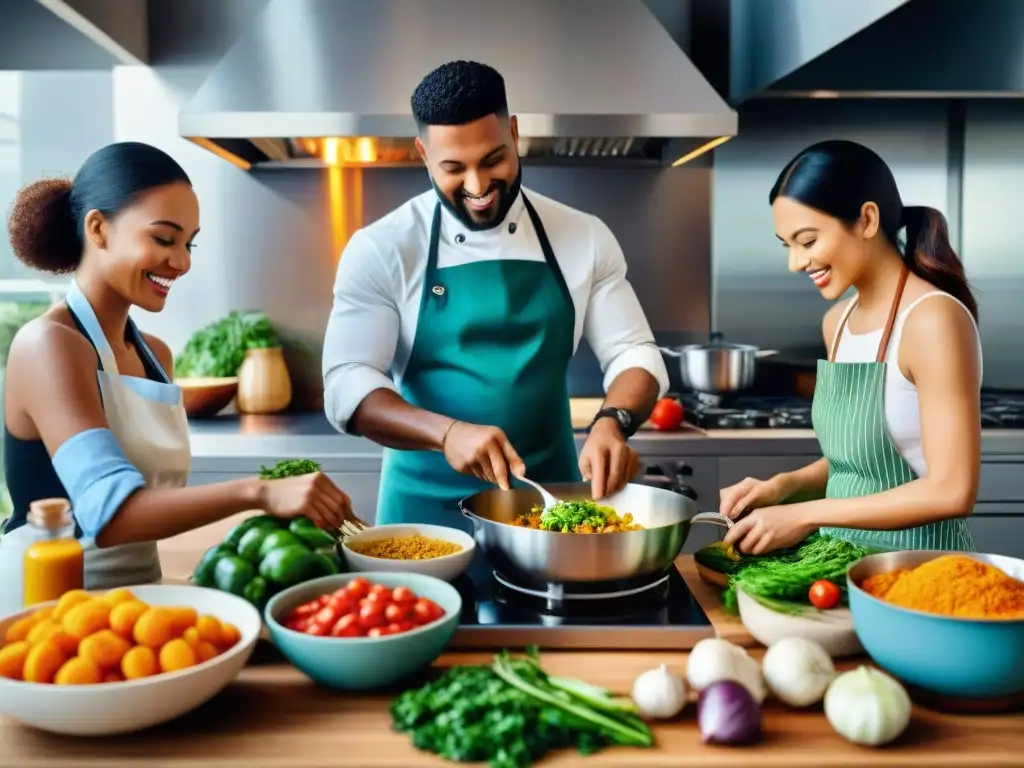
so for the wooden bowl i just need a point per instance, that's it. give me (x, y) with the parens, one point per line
(712, 577)
(203, 397)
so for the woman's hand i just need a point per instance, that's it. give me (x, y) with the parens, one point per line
(314, 495)
(751, 493)
(768, 529)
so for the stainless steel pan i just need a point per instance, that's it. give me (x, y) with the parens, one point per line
(718, 367)
(548, 557)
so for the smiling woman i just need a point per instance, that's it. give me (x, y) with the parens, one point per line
(896, 405)
(91, 413)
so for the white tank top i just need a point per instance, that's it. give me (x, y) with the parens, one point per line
(902, 409)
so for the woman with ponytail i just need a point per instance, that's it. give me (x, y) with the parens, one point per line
(91, 411)
(897, 402)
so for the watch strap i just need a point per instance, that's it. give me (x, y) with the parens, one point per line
(623, 417)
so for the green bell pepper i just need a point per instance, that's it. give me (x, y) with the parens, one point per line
(307, 530)
(260, 556)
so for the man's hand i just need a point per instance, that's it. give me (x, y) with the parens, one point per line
(484, 452)
(607, 461)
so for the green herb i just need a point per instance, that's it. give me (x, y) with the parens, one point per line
(782, 580)
(289, 468)
(512, 713)
(566, 516)
(219, 348)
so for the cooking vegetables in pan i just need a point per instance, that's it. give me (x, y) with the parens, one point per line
(578, 517)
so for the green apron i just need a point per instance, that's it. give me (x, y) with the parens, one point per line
(492, 346)
(849, 420)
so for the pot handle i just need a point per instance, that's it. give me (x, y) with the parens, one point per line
(712, 517)
(670, 352)
(766, 353)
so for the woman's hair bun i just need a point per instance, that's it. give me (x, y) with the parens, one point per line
(42, 228)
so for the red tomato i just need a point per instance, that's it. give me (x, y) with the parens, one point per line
(341, 592)
(295, 625)
(376, 597)
(307, 609)
(824, 595)
(316, 628)
(340, 604)
(383, 592)
(378, 632)
(347, 626)
(394, 628)
(398, 611)
(326, 616)
(426, 611)
(667, 414)
(371, 615)
(403, 595)
(324, 600)
(405, 626)
(358, 588)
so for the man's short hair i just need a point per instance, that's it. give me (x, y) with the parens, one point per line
(457, 93)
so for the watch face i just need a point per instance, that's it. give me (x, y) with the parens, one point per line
(623, 417)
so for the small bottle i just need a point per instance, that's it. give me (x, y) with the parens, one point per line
(54, 563)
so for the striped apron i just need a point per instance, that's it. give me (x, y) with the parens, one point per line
(849, 421)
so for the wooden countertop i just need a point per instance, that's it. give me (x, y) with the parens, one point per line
(272, 716)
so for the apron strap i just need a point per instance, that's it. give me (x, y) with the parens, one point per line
(86, 317)
(839, 329)
(883, 344)
(545, 246)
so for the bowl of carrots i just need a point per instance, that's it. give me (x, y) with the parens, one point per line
(103, 663)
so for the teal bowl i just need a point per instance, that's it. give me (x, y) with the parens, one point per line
(364, 663)
(960, 659)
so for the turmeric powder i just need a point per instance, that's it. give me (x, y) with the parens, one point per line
(951, 585)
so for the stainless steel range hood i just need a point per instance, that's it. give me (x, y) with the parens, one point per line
(877, 49)
(316, 82)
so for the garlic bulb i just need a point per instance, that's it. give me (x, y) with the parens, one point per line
(714, 660)
(659, 694)
(867, 707)
(798, 671)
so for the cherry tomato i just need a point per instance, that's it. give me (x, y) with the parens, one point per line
(371, 615)
(404, 626)
(324, 600)
(342, 592)
(316, 628)
(376, 597)
(326, 616)
(307, 609)
(426, 611)
(340, 604)
(403, 595)
(295, 625)
(347, 626)
(824, 595)
(358, 588)
(381, 590)
(379, 631)
(398, 612)
(667, 414)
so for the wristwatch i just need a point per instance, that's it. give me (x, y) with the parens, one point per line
(624, 418)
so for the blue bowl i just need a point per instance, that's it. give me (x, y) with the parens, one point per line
(364, 663)
(953, 657)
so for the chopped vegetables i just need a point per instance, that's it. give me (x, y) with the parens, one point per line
(824, 595)
(362, 609)
(581, 516)
(728, 714)
(512, 713)
(783, 579)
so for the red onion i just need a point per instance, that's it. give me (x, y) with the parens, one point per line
(728, 714)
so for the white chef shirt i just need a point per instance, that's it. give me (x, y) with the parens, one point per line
(379, 284)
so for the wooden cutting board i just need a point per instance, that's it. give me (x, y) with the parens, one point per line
(709, 598)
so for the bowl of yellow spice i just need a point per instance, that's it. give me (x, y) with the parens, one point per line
(433, 550)
(950, 624)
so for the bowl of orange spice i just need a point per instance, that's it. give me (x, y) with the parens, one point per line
(950, 624)
(95, 664)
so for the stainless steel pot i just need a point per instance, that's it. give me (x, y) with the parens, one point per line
(717, 366)
(548, 557)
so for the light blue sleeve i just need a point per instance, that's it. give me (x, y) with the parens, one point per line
(97, 476)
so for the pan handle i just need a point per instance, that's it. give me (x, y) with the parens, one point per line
(712, 517)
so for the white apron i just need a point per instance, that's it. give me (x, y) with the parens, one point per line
(149, 421)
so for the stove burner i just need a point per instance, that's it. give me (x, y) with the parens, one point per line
(556, 592)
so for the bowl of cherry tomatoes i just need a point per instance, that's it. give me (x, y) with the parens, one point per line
(361, 631)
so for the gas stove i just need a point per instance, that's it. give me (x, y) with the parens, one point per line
(746, 412)
(999, 410)
(499, 613)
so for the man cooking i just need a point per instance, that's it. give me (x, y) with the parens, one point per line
(474, 296)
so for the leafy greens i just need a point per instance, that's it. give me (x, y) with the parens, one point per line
(219, 348)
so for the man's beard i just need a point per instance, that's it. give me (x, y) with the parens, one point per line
(507, 195)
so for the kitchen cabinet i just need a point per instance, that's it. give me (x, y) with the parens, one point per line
(998, 534)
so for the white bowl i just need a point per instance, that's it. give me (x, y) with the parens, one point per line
(110, 708)
(832, 629)
(447, 567)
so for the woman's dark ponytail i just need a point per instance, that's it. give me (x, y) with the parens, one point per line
(929, 254)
